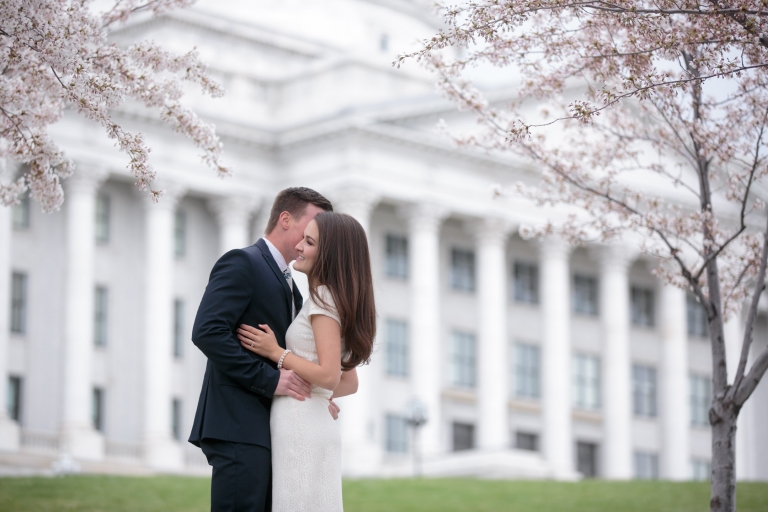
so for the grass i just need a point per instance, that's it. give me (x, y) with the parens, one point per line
(167, 493)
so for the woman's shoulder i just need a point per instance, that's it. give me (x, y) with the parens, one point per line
(324, 303)
(324, 292)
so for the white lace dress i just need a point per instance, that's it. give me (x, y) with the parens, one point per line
(306, 443)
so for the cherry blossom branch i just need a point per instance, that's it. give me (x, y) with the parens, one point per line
(740, 17)
(116, 14)
(674, 252)
(15, 124)
(583, 113)
(737, 283)
(745, 198)
(513, 14)
(55, 53)
(616, 9)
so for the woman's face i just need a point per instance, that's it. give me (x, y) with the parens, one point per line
(307, 248)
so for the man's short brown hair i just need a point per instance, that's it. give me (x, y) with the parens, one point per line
(294, 200)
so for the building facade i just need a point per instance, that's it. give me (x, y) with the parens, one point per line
(531, 358)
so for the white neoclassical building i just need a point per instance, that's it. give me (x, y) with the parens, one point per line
(532, 359)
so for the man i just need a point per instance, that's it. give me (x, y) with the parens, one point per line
(249, 286)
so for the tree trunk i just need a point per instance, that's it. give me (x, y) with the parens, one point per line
(723, 498)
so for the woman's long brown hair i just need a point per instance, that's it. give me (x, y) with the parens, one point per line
(343, 264)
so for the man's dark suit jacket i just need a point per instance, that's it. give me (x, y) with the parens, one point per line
(245, 287)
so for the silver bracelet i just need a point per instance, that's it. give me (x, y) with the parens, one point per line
(282, 357)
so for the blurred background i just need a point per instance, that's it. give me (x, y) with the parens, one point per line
(495, 356)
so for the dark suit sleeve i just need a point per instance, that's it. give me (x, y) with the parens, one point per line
(226, 297)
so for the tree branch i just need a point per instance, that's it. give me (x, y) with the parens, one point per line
(745, 198)
(740, 17)
(616, 99)
(752, 379)
(15, 124)
(749, 329)
(674, 251)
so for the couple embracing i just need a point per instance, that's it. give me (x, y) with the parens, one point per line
(266, 417)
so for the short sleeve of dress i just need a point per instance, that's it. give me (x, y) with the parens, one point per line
(319, 309)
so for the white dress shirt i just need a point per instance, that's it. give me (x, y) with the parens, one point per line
(282, 265)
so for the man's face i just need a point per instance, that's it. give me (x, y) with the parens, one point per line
(296, 231)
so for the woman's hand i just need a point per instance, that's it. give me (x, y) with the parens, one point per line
(260, 341)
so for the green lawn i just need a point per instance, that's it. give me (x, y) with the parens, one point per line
(92, 493)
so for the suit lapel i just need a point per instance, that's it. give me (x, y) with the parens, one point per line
(298, 300)
(262, 245)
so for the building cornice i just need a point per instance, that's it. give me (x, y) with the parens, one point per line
(215, 24)
(418, 9)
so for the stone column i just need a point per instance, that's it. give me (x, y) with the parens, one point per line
(424, 221)
(493, 369)
(556, 358)
(362, 452)
(233, 214)
(675, 394)
(260, 221)
(616, 362)
(78, 436)
(734, 338)
(161, 451)
(9, 430)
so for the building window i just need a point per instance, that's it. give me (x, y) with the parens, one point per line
(463, 359)
(697, 318)
(527, 370)
(642, 305)
(397, 434)
(180, 234)
(397, 348)
(526, 441)
(526, 285)
(19, 301)
(644, 390)
(21, 213)
(701, 469)
(102, 219)
(701, 399)
(176, 419)
(646, 466)
(97, 409)
(178, 328)
(13, 400)
(586, 382)
(463, 436)
(100, 304)
(397, 257)
(584, 295)
(586, 459)
(463, 270)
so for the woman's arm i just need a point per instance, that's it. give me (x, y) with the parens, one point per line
(326, 373)
(347, 385)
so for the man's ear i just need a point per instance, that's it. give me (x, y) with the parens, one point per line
(285, 220)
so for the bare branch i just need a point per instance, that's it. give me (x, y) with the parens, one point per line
(752, 379)
(752, 316)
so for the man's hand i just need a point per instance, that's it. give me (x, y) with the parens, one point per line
(292, 385)
(333, 408)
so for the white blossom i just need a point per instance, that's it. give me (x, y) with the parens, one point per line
(55, 54)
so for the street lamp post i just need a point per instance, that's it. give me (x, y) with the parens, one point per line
(416, 416)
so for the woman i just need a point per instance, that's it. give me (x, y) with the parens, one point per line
(332, 334)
